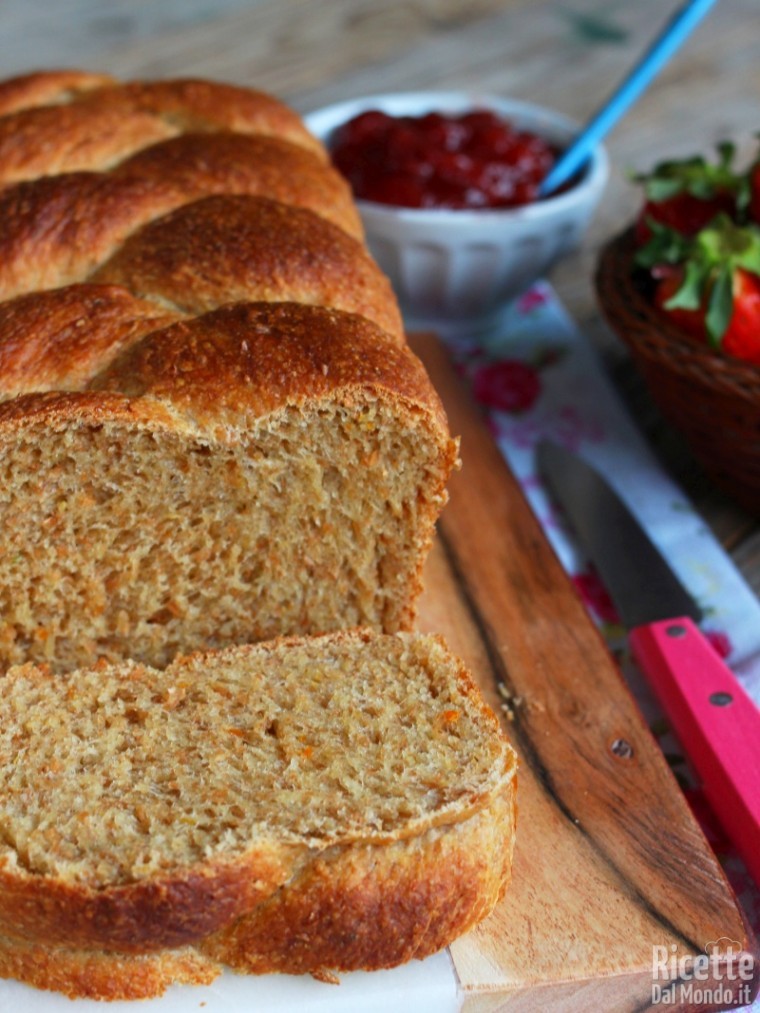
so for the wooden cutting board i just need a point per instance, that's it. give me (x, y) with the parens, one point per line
(609, 861)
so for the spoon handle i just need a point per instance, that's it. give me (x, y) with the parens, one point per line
(675, 32)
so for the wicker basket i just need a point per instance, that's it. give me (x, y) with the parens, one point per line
(712, 399)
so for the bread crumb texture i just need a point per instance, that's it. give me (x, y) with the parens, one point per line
(112, 775)
(127, 541)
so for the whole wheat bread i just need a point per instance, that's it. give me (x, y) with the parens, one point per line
(213, 431)
(302, 805)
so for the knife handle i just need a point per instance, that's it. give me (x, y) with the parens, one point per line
(715, 720)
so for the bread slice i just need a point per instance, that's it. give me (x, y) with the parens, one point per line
(301, 805)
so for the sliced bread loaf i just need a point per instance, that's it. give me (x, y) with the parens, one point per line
(170, 480)
(302, 805)
(265, 469)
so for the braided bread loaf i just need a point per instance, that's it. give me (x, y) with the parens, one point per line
(211, 429)
(213, 432)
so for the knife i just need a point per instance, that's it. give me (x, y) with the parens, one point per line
(715, 720)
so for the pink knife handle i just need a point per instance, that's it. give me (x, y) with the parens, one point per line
(716, 722)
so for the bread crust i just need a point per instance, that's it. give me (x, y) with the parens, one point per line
(363, 908)
(226, 162)
(369, 907)
(100, 127)
(224, 248)
(61, 229)
(141, 917)
(62, 338)
(97, 974)
(347, 907)
(249, 359)
(60, 409)
(236, 364)
(47, 87)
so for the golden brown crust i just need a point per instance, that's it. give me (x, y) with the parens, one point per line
(211, 105)
(226, 162)
(92, 974)
(49, 140)
(226, 248)
(144, 916)
(372, 907)
(59, 409)
(59, 229)
(360, 908)
(355, 906)
(250, 359)
(104, 126)
(48, 87)
(59, 340)
(240, 362)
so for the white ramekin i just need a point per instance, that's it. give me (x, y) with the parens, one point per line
(453, 270)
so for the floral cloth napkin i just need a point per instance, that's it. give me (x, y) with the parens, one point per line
(537, 376)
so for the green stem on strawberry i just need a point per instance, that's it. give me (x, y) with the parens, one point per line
(666, 246)
(687, 194)
(716, 267)
(695, 176)
(720, 306)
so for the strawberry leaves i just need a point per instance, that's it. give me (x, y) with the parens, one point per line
(689, 295)
(695, 176)
(697, 236)
(687, 194)
(666, 246)
(711, 262)
(720, 305)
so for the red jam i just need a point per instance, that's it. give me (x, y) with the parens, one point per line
(474, 160)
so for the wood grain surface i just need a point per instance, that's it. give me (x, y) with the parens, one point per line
(609, 860)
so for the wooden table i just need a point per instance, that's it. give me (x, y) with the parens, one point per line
(564, 54)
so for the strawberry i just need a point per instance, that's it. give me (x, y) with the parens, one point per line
(687, 195)
(742, 336)
(669, 281)
(709, 283)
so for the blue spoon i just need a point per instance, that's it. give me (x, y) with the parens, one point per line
(685, 19)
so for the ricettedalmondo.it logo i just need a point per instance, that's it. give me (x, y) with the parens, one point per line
(721, 977)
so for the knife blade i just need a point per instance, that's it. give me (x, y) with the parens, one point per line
(715, 720)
